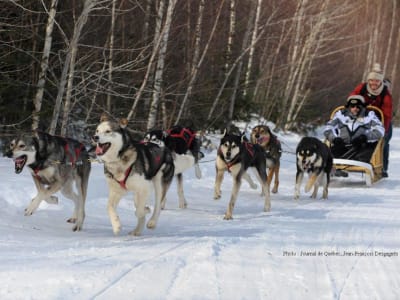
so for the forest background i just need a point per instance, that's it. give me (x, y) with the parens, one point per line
(200, 63)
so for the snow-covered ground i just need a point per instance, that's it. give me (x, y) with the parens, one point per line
(346, 247)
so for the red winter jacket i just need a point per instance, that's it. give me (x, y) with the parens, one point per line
(383, 101)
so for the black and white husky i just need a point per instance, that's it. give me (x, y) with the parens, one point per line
(132, 166)
(56, 164)
(185, 148)
(315, 158)
(236, 155)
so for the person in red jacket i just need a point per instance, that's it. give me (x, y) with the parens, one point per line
(377, 93)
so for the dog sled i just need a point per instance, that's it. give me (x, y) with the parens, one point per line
(372, 171)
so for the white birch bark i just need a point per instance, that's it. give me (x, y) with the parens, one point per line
(231, 34)
(87, 8)
(44, 65)
(251, 52)
(245, 43)
(303, 71)
(196, 63)
(158, 80)
(110, 56)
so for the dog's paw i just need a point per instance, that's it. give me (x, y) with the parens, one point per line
(183, 204)
(77, 227)
(274, 190)
(71, 220)
(228, 217)
(116, 231)
(217, 196)
(197, 171)
(29, 211)
(253, 185)
(135, 232)
(151, 224)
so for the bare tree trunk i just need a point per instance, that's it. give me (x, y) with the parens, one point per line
(67, 77)
(158, 80)
(231, 34)
(310, 48)
(146, 21)
(196, 63)
(228, 74)
(87, 8)
(44, 65)
(239, 69)
(110, 57)
(251, 53)
(372, 55)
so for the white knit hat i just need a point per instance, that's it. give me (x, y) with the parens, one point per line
(376, 73)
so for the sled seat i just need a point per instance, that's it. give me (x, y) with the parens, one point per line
(373, 169)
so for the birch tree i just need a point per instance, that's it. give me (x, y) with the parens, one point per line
(231, 34)
(110, 56)
(44, 64)
(251, 52)
(245, 44)
(158, 79)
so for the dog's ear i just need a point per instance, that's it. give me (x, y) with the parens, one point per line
(123, 123)
(103, 117)
(224, 134)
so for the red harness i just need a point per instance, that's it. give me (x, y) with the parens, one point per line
(122, 182)
(68, 153)
(182, 135)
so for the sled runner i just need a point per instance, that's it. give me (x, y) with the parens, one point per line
(371, 170)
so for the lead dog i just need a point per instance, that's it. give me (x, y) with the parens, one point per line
(56, 164)
(236, 155)
(314, 158)
(185, 147)
(132, 166)
(262, 135)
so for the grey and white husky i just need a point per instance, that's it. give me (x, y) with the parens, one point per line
(236, 155)
(185, 147)
(132, 166)
(56, 164)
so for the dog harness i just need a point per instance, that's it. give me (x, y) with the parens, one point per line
(185, 134)
(72, 158)
(128, 171)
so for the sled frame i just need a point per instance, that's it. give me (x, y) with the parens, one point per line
(372, 170)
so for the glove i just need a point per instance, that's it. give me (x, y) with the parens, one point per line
(338, 142)
(360, 140)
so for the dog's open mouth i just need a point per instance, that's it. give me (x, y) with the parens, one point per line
(262, 139)
(101, 149)
(20, 163)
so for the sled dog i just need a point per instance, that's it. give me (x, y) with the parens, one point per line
(132, 166)
(262, 135)
(185, 148)
(315, 158)
(56, 164)
(236, 155)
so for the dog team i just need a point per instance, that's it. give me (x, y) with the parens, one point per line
(63, 164)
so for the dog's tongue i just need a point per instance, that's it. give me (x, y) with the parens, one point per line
(99, 150)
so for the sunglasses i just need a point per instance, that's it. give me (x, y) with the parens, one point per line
(355, 105)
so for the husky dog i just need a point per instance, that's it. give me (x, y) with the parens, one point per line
(56, 163)
(314, 158)
(185, 147)
(262, 135)
(132, 166)
(235, 156)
